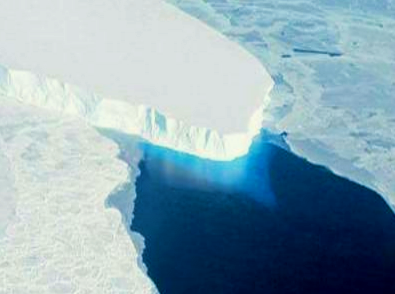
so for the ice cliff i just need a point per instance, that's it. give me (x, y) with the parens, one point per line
(144, 68)
(140, 120)
(137, 67)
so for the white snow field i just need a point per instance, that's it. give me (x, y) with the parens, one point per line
(336, 104)
(63, 238)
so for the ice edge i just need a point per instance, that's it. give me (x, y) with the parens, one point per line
(140, 120)
(143, 121)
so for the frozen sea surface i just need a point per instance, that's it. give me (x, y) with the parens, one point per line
(333, 63)
(57, 235)
(7, 191)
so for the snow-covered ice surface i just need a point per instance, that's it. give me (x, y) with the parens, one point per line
(63, 238)
(333, 63)
(143, 52)
(199, 91)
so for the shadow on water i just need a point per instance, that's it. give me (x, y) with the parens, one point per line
(266, 223)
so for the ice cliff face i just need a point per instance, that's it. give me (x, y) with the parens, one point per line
(122, 116)
(172, 80)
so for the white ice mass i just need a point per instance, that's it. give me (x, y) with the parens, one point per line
(139, 54)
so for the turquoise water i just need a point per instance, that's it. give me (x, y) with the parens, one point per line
(266, 223)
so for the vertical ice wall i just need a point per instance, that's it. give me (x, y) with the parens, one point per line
(139, 53)
(125, 117)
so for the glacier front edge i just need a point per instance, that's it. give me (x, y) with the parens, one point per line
(198, 88)
(140, 120)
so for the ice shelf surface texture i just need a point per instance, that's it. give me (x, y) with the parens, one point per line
(142, 53)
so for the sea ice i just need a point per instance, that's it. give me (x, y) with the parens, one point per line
(337, 108)
(63, 238)
(7, 191)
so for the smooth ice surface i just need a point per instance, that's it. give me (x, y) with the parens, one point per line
(63, 238)
(143, 52)
(333, 63)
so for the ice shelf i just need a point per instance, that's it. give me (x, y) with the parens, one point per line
(140, 120)
(137, 67)
(197, 90)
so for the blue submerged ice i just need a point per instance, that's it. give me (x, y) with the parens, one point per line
(333, 63)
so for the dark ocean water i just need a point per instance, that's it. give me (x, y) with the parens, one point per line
(266, 223)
